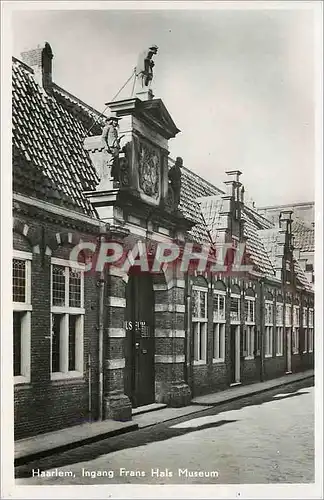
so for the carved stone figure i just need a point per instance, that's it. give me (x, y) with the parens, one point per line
(144, 68)
(110, 167)
(175, 180)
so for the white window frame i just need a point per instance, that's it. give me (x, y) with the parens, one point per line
(279, 328)
(66, 312)
(249, 329)
(199, 328)
(219, 325)
(26, 308)
(236, 321)
(279, 340)
(268, 353)
(305, 317)
(281, 306)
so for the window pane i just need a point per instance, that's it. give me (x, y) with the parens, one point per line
(19, 280)
(196, 336)
(195, 303)
(234, 309)
(58, 285)
(216, 341)
(75, 288)
(56, 341)
(72, 341)
(17, 317)
(203, 301)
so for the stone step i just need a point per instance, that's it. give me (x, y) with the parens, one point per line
(147, 408)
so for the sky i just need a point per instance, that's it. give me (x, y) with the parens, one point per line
(238, 83)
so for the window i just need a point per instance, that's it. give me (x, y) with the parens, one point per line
(219, 307)
(219, 342)
(310, 330)
(268, 321)
(288, 315)
(305, 317)
(296, 316)
(279, 329)
(268, 341)
(248, 341)
(268, 313)
(249, 329)
(279, 340)
(249, 310)
(311, 318)
(21, 297)
(199, 323)
(279, 314)
(219, 319)
(67, 317)
(235, 308)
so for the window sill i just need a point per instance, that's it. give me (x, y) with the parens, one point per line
(66, 376)
(294, 353)
(218, 360)
(278, 354)
(268, 355)
(20, 379)
(199, 362)
(248, 357)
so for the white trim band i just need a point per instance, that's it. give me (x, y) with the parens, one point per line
(180, 308)
(49, 207)
(116, 301)
(162, 358)
(165, 333)
(114, 364)
(116, 332)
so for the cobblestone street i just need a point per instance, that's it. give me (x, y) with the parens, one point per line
(268, 441)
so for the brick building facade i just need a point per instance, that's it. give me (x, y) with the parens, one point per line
(91, 345)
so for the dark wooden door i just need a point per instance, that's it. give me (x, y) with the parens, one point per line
(139, 345)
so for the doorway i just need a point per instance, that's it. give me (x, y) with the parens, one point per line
(139, 343)
(235, 354)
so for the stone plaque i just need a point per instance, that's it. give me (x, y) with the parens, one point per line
(149, 170)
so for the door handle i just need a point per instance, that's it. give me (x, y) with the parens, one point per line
(144, 351)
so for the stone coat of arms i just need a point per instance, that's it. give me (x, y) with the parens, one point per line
(149, 170)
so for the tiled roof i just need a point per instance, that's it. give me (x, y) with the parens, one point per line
(48, 133)
(304, 237)
(211, 208)
(255, 245)
(49, 159)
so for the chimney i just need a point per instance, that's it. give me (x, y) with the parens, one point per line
(285, 220)
(40, 60)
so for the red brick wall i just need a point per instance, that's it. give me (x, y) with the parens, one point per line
(44, 405)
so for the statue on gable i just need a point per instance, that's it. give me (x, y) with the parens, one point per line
(144, 68)
(175, 180)
(110, 167)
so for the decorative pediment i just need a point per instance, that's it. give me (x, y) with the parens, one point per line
(152, 112)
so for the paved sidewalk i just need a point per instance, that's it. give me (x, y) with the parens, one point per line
(72, 437)
(201, 403)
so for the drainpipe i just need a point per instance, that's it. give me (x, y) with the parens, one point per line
(188, 336)
(101, 285)
(261, 329)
